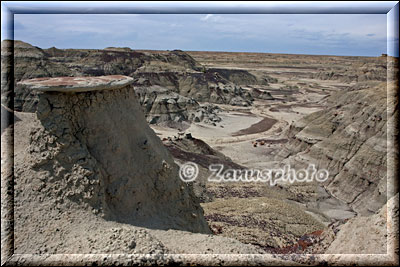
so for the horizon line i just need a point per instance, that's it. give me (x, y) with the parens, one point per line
(215, 51)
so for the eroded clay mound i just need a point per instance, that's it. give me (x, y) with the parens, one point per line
(98, 151)
(162, 105)
(349, 139)
(202, 86)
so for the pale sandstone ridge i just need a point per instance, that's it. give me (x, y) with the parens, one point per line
(77, 84)
(98, 150)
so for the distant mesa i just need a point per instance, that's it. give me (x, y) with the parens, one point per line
(121, 49)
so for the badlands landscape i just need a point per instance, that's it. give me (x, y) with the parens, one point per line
(93, 142)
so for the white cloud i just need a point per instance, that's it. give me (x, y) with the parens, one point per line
(211, 17)
(205, 18)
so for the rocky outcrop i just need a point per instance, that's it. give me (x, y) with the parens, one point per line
(203, 87)
(207, 113)
(96, 149)
(261, 94)
(349, 139)
(239, 77)
(124, 49)
(162, 105)
(358, 72)
(175, 70)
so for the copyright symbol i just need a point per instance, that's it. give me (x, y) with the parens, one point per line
(188, 172)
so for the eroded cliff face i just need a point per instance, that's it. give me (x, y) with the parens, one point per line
(95, 148)
(204, 87)
(174, 70)
(161, 105)
(355, 71)
(349, 139)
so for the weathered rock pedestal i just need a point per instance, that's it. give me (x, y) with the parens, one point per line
(98, 151)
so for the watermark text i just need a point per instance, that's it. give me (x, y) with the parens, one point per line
(189, 171)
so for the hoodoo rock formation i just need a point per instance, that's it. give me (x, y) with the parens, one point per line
(98, 150)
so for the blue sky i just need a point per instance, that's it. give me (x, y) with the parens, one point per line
(322, 34)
